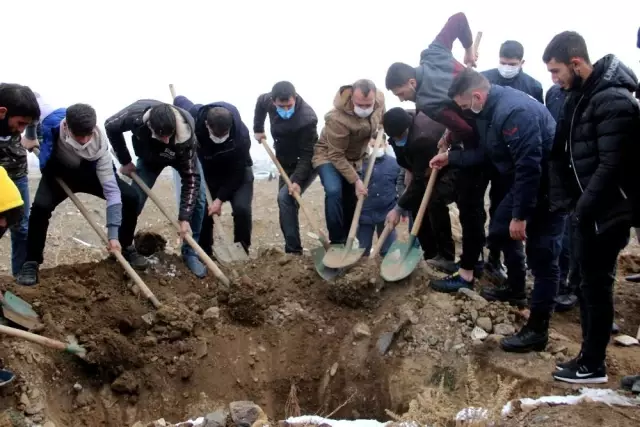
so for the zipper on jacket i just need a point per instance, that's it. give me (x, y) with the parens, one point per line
(573, 165)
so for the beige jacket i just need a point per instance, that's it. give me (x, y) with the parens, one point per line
(344, 138)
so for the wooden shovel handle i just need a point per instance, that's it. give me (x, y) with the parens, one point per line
(388, 228)
(316, 229)
(188, 238)
(127, 267)
(38, 339)
(367, 177)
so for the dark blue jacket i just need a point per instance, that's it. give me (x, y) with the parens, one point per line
(554, 100)
(383, 193)
(522, 81)
(223, 164)
(516, 134)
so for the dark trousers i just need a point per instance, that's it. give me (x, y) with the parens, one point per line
(444, 193)
(569, 272)
(339, 202)
(241, 206)
(544, 242)
(288, 207)
(596, 256)
(49, 195)
(471, 185)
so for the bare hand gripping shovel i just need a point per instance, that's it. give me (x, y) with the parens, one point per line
(317, 253)
(340, 256)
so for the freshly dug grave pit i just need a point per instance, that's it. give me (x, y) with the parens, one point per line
(276, 326)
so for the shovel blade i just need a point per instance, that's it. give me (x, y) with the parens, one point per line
(401, 259)
(325, 272)
(237, 252)
(19, 311)
(339, 256)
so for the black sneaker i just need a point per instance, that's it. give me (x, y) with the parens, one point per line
(583, 375)
(565, 302)
(569, 364)
(28, 275)
(505, 294)
(451, 284)
(442, 264)
(137, 261)
(525, 341)
(495, 272)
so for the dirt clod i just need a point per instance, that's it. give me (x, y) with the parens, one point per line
(148, 243)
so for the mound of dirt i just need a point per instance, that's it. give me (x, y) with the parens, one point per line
(148, 243)
(359, 287)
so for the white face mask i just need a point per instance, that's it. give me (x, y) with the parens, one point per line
(362, 112)
(218, 139)
(474, 109)
(508, 71)
(379, 154)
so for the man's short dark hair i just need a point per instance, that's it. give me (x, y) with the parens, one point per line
(467, 80)
(366, 86)
(396, 121)
(512, 49)
(81, 119)
(564, 46)
(13, 216)
(162, 119)
(219, 120)
(19, 101)
(282, 91)
(398, 75)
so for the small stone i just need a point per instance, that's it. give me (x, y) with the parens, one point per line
(479, 334)
(201, 348)
(557, 348)
(126, 383)
(246, 413)
(544, 355)
(77, 387)
(447, 345)
(433, 340)
(474, 315)
(625, 340)
(334, 369)
(216, 419)
(211, 313)
(485, 323)
(34, 409)
(361, 331)
(504, 329)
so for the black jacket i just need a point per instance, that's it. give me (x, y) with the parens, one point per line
(597, 145)
(522, 81)
(554, 100)
(294, 139)
(182, 156)
(224, 165)
(414, 156)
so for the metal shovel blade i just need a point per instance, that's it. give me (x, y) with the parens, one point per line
(237, 252)
(400, 261)
(340, 256)
(325, 272)
(19, 311)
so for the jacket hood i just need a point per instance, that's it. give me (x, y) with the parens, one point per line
(92, 150)
(610, 72)
(342, 100)
(237, 120)
(183, 129)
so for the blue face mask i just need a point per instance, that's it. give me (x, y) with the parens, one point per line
(286, 114)
(401, 142)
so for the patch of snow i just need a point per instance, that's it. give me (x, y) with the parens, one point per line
(472, 414)
(315, 420)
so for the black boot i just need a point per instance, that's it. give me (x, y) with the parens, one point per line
(28, 275)
(494, 270)
(505, 294)
(137, 261)
(533, 336)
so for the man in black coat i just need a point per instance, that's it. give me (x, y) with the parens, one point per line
(294, 130)
(593, 171)
(414, 138)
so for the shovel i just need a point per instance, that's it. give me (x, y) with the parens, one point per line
(225, 252)
(344, 256)
(19, 311)
(188, 238)
(317, 253)
(47, 342)
(388, 228)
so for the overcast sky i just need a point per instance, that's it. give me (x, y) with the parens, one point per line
(112, 53)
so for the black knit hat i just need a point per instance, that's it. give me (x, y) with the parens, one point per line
(396, 121)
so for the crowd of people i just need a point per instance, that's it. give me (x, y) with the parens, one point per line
(560, 170)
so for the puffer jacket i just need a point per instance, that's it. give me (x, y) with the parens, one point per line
(554, 100)
(596, 148)
(383, 190)
(345, 136)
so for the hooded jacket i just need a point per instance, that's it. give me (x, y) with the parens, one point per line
(294, 138)
(67, 158)
(596, 148)
(224, 164)
(345, 136)
(180, 153)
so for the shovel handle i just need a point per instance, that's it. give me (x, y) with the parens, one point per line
(38, 339)
(388, 228)
(127, 267)
(316, 229)
(367, 177)
(188, 238)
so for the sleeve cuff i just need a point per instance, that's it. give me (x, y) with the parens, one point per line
(112, 232)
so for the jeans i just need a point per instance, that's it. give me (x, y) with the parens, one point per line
(289, 222)
(149, 175)
(365, 237)
(544, 241)
(19, 231)
(241, 206)
(339, 203)
(49, 195)
(596, 256)
(569, 273)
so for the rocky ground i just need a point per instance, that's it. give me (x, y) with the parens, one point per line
(279, 341)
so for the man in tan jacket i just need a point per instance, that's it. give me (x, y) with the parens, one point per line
(349, 126)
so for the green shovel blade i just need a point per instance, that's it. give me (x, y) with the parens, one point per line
(400, 261)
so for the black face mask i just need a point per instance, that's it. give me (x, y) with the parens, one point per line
(4, 127)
